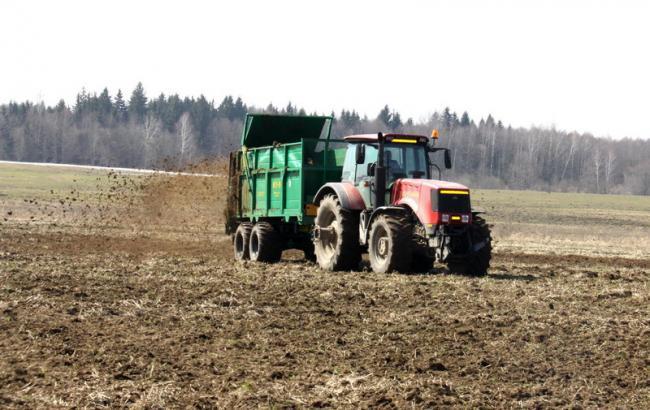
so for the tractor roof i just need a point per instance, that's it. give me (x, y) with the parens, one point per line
(391, 137)
(264, 129)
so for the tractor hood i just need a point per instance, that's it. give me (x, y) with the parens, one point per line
(417, 195)
(432, 183)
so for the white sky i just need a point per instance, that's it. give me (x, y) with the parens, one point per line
(577, 65)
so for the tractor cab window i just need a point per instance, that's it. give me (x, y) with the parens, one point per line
(349, 164)
(405, 161)
(362, 169)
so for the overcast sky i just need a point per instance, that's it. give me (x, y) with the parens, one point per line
(575, 65)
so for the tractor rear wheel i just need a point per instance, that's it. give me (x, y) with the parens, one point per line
(389, 245)
(265, 243)
(336, 242)
(241, 241)
(478, 263)
(310, 253)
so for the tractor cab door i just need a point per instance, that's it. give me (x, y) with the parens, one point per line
(362, 179)
(360, 174)
(357, 173)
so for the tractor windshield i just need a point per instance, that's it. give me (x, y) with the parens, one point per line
(401, 161)
(405, 161)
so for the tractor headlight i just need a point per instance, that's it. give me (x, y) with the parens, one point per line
(465, 219)
(445, 218)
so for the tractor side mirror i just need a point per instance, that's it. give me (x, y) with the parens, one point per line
(360, 153)
(371, 169)
(447, 159)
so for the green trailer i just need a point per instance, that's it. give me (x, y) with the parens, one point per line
(273, 179)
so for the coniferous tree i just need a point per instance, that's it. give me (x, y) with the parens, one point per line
(201, 118)
(464, 120)
(60, 107)
(384, 115)
(227, 108)
(395, 121)
(104, 107)
(81, 104)
(119, 107)
(138, 104)
(239, 109)
(447, 118)
(490, 121)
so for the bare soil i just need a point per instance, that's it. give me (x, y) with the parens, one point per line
(146, 308)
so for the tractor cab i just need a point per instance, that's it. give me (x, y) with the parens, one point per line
(406, 156)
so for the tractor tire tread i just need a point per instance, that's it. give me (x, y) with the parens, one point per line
(479, 263)
(347, 255)
(399, 229)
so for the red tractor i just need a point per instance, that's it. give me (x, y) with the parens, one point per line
(388, 204)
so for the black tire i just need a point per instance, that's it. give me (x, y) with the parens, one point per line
(337, 245)
(241, 240)
(310, 253)
(265, 244)
(421, 263)
(389, 245)
(479, 262)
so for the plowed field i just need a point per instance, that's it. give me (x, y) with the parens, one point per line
(120, 291)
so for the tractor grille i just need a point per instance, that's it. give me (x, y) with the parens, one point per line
(452, 203)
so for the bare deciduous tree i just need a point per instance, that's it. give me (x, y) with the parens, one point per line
(187, 140)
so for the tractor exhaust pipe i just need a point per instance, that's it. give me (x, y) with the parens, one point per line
(380, 174)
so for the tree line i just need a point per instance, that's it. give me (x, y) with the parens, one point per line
(174, 131)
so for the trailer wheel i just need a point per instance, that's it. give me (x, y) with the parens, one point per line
(336, 242)
(478, 263)
(265, 243)
(389, 246)
(241, 241)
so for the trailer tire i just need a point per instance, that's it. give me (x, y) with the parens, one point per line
(389, 244)
(479, 262)
(241, 241)
(337, 248)
(265, 243)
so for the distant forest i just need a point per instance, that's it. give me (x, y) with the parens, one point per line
(170, 131)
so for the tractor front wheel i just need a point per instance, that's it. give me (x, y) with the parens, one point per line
(241, 241)
(422, 263)
(389, 245)
(336, 240)
(265, 243)
(478, 262)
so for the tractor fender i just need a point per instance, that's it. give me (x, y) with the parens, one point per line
(348, 195)
(383, 210)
